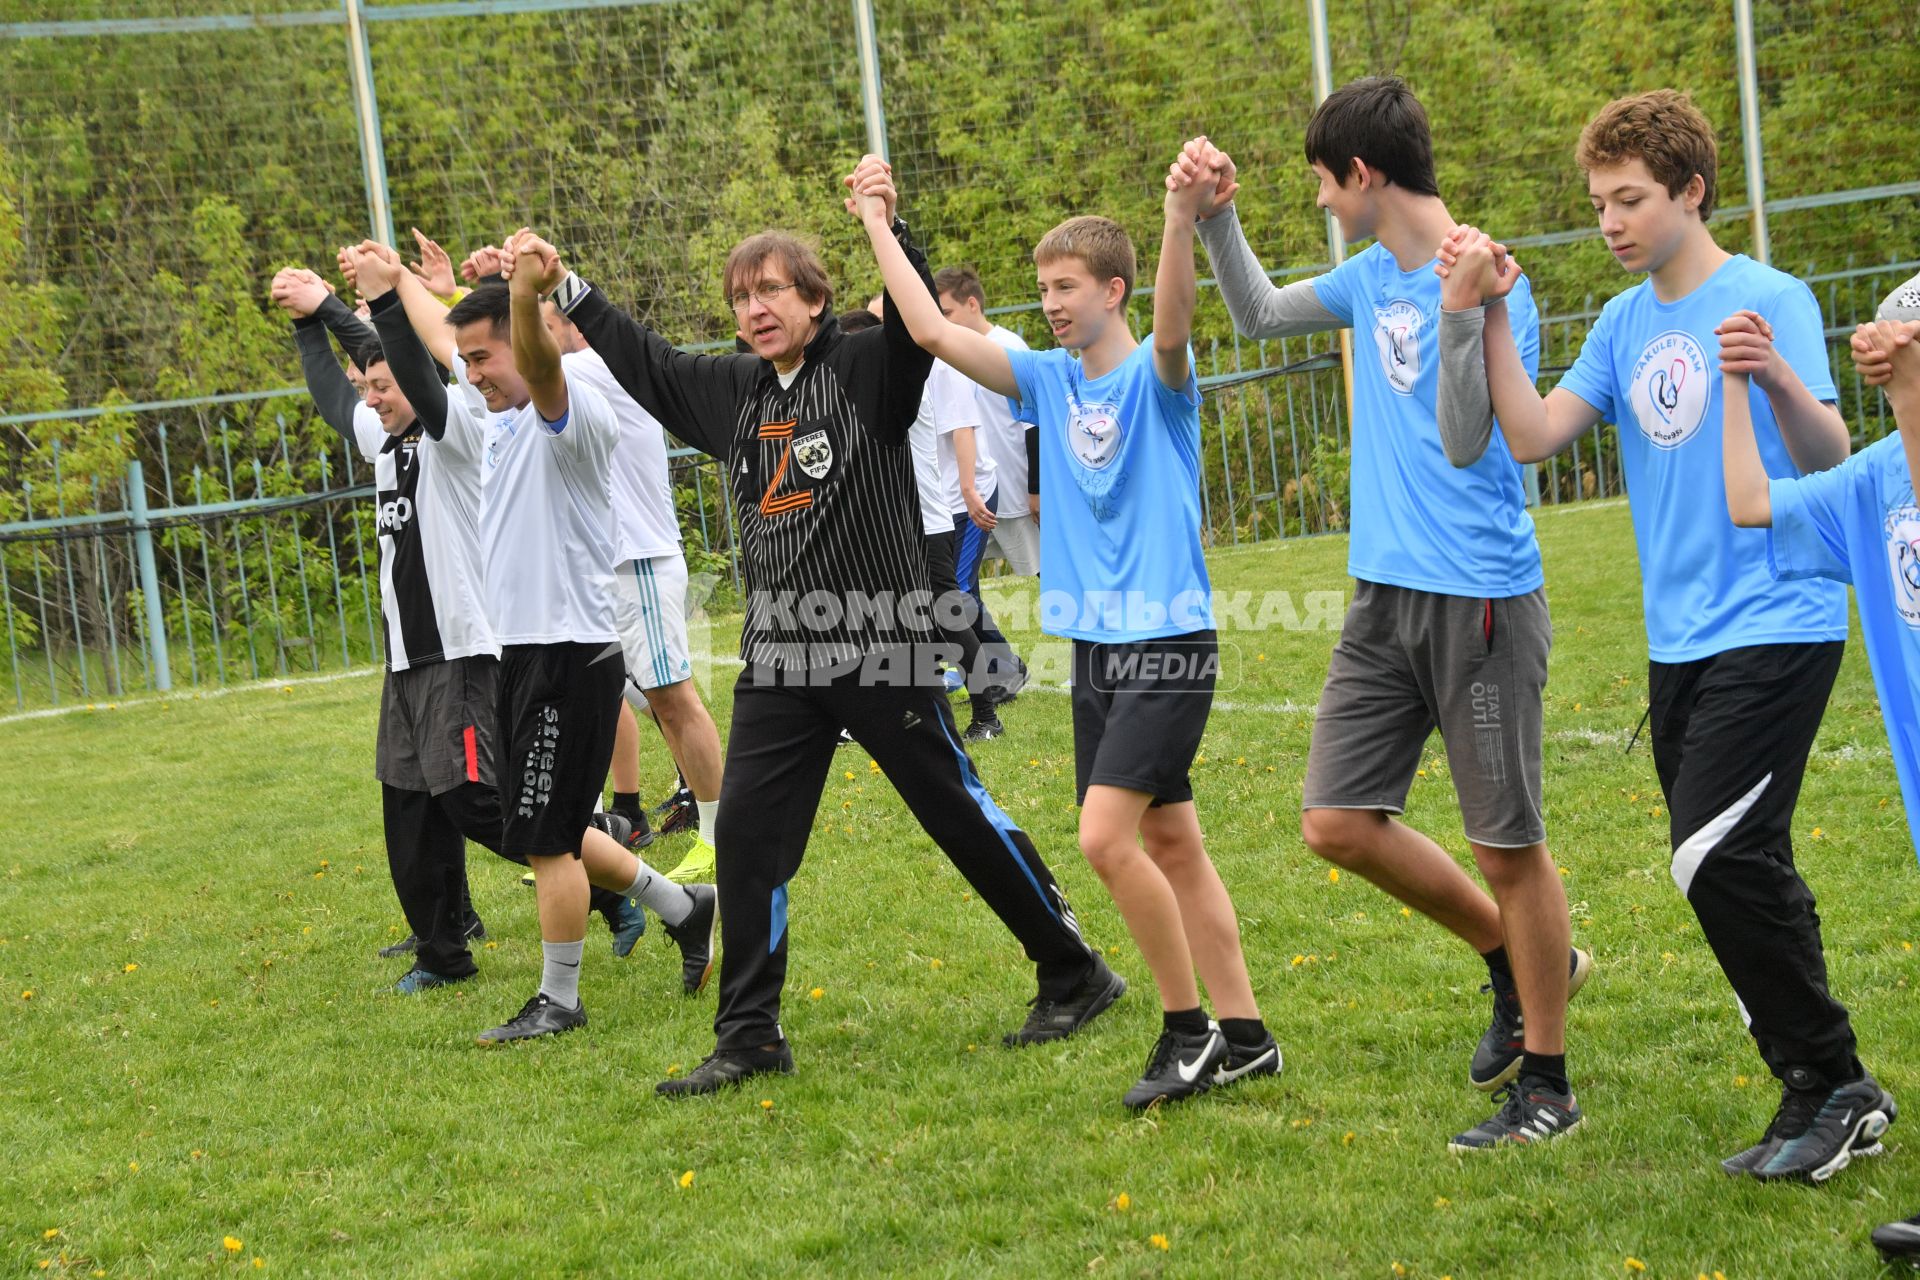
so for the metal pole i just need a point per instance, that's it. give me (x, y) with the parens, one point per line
(1750, 129)
(149, 576)
(373, 157)
(1336, 242)
(870, 101)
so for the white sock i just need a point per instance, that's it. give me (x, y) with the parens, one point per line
(709, 811)
(663, 897)
(560, 972)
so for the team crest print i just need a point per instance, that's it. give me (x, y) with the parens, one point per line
(1396, 332)
(814, 453)
(1093, 433)
(1672, 386)
(1903, 557)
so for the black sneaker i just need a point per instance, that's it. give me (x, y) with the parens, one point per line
(1899, 1241)
(639, 835)
(1242, 1061)
(1057, 1019)
(984, 728)
(405, 947)
(1530, 1111)
(724, 1068)
(1817, 1132)
(1180, 1066)
(677, 813)
(1496, 1059)
(1009, 689)
(694, 937)
(476, 930)
(537, 1017)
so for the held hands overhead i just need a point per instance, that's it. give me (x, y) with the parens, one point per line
(1474, 269)
(530, 264)
(1201, 181)
(873, 199)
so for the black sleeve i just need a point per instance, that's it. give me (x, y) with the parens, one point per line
(695, 397)
(1033, 461)
(413, 368)
(333, 395)
(349, 329)
(904, 375)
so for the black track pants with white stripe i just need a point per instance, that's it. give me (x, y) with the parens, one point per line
(779, 750)
(1731, 735)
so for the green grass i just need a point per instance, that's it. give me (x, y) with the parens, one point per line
(248, 1078)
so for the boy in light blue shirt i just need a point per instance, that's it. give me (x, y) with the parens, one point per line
(1448, 628)
(1740, 666)
(1122, 575)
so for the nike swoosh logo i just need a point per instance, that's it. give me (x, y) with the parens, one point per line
(564, 965)
(1189, 1071)
(1227, 1075)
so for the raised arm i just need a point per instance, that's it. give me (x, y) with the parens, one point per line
(1189, 193)
(302, 293)
(1474, 272)
(1813, 431)
(536, 270)
(1259, 310)
(696, 394)
(908, 294)
(1748, 499)
(427, 313)
(379, 281)
(1887, 352)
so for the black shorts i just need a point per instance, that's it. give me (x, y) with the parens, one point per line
(559, 706)
(437, 723)
(1138, 712)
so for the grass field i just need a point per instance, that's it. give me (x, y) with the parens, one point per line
(203, 1076)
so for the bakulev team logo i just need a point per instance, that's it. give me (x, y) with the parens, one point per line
(1671, 388)
(1903, 557)
(1093, 433)
(1396, 332)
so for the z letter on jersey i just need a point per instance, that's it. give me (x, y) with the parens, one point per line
(1671, 388)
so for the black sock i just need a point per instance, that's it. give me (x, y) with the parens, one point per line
(1550, 1068)
(1497, 963)
(626, 803)
(1244, 1032)
(1186, 1022)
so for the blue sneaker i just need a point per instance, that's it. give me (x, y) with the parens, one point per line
(414, 981)
(627, 927)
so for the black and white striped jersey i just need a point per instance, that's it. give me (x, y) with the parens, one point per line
(820, 473)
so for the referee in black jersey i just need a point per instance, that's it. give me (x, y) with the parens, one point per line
(812, 428)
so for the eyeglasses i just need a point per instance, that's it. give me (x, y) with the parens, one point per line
(768, 294)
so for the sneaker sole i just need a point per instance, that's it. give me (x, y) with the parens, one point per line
(1871, 1126)
(485, 1043)
(1465, 1148)
(1582, 970)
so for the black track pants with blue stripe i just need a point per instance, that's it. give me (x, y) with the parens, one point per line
(779, 749)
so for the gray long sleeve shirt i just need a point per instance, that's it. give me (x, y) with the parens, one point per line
(1260, 309)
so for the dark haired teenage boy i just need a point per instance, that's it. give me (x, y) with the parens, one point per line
(1448, 627)
(1740, 665)
(1119, 424)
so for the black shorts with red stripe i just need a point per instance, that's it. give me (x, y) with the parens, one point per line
(437, 725)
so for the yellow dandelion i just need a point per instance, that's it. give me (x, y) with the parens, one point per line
(47, 1262)
(673, 1068)
(50, 1233)
(196, 1153)
(1906, 946)
(686, 1179)
(1239, 759)
(101, 1271)
(1406, 911)
(973, 1048)
(232, 1245)
(259, 1262)
(1419, 773)
(1333, 875)
(1634, 1264)
(1576, 706)
(1399, 1269)
(1159, 1241)
(1739, 1082)
(1199, 759)
(816, 993)
(1259, 657)
(324, 864)
(27, 994)
(1719, 1275)
(133, 1166)
(1817, 833)
(1441, 1202)
(766, 1104)
(1034, 761)
(873, 766)
(1562, 871)
(1298, 961)
(849, 775)
(493, 946)
(935, 963)
(307, 929)
(1346, 1139)
(1123, 1202)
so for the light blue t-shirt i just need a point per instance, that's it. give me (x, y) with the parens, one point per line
(1858, 523)
(1652, 368)
(1417, 520)
(1120, 552)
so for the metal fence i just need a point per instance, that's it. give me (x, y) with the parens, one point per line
(172, 513)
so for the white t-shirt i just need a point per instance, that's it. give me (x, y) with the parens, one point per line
(546, 517)
(935, 515)
(426, 508)
(644, 523)
(1005, 435)
(955, 406)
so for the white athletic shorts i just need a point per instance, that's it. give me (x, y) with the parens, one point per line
(650, 609)
(1016, 539)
